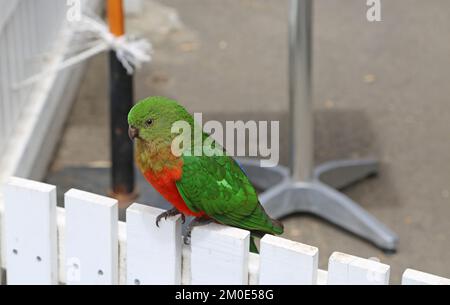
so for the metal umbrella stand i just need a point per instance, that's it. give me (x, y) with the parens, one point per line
(302, 188)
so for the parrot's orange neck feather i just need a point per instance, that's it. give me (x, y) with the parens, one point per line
(162, 169)
(155, 156)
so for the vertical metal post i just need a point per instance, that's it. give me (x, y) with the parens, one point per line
(300, 94)
(121, 101)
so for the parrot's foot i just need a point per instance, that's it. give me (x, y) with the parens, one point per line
(168, 213)
(198, 221)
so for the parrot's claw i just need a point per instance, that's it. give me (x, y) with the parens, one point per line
(187, 239)
(168, 213)
(199, 221)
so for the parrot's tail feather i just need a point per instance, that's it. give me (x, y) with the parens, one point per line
(278, 227)
(253, 248)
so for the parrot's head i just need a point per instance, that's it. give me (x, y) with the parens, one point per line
(151, 119)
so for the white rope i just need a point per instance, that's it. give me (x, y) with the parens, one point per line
(130, 52)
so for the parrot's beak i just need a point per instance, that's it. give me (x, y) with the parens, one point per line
(133, 132)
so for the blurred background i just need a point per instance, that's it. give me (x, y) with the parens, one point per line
(381, 89)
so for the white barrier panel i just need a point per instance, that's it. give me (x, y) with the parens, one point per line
(28, 30)
(219, 255)
(91, 238)
(153, 253)
(30, 228)
(287, 262)
(414, 277)
(344, 269)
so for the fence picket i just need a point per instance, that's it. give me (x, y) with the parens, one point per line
(322, 277)
(344, 269)
(153, 253)
(284, 261)
(219, 255)
(185, 265)
(30, 227)
(253, 269)
(122, 253)
(414, 277)
(91, 238)
(60, 235)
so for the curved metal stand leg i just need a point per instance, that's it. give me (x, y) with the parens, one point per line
(321, 200)
(283, 197)
(264, 178)
(341, 173)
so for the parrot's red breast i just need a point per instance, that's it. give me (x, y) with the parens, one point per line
(164, 182)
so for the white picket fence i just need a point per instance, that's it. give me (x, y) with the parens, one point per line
(84, 243)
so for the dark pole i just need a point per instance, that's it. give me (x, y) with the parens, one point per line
(121, 101)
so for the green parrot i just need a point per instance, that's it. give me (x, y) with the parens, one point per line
(210, 188)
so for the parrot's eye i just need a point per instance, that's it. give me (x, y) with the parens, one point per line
(149, 122)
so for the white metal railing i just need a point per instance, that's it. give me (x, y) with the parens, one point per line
(28, 29)
(85, 244)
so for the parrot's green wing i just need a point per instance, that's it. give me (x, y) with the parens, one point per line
(217, 186)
